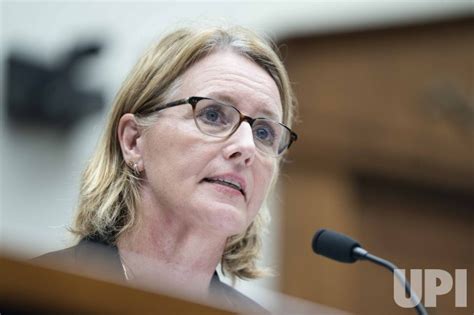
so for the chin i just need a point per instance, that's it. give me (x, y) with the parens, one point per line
(229, 220)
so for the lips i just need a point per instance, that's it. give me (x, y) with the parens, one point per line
(232, 181)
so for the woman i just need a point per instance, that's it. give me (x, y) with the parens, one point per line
(191, 150)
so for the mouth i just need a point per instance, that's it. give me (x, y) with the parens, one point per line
(225, 182)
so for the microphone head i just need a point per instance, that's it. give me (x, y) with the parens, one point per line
(334, 245)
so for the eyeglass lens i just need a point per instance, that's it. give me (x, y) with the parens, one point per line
(221, 120)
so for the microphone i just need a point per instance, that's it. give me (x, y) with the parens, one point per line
(344, 249)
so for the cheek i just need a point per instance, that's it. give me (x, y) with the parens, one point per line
(268, 171)
(263, 178)
(175, 155)
(164, 153)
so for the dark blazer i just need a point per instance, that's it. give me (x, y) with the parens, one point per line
(94, 258)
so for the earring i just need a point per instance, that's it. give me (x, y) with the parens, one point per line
(134, 167)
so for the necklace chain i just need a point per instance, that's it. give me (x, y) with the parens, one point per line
(125, 270)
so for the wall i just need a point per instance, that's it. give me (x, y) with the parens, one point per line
(40, 167)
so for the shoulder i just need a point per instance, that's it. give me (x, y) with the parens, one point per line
(57, 258)
(232, 298)
(89, 258)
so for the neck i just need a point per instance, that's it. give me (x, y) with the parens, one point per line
(162, 253)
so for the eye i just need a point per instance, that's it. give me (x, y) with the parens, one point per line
(264, 133)
(212, 115)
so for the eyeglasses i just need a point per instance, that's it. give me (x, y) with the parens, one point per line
(221, 120)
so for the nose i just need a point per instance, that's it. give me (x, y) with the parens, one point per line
(240, 147)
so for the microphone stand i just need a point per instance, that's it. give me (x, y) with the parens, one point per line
(362, 254)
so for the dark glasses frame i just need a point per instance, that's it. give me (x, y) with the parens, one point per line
(193, 100)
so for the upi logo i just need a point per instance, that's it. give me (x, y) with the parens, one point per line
(437, 282)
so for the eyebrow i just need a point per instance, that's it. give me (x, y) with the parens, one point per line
(228, 99)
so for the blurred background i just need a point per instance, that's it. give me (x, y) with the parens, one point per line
(386, 128)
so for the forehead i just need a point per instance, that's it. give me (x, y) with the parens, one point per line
(234, 79)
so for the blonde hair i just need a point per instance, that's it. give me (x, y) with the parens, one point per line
(109, 189)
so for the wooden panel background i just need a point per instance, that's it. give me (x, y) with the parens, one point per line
(386, 155)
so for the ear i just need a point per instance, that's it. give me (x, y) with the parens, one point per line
(129, 136)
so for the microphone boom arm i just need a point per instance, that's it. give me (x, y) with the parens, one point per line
(362, 254)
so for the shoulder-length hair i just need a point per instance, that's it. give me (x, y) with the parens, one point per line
(109, 189)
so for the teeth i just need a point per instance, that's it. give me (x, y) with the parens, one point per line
(227, 182)
(230, 182)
